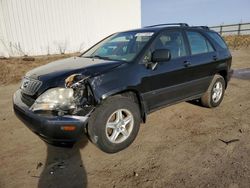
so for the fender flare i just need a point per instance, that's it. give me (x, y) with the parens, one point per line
(99, 98)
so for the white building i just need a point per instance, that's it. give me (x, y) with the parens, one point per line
(41, 27)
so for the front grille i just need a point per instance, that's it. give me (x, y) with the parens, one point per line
(30, 86)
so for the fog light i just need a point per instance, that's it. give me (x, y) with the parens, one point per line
(68, 127)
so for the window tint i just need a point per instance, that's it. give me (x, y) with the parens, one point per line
(218, 39)
(198, 43)
(172, 41)
(210, 48)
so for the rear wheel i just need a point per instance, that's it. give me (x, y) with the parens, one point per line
(114, 124)
(215, 93)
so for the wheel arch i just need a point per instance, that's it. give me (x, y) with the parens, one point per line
(224, 74)
(135, 96)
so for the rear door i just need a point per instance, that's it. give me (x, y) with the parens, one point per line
(202, 61)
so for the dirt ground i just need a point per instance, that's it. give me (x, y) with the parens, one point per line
(179, 146)
(13, 69)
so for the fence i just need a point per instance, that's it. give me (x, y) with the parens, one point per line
(232, 29)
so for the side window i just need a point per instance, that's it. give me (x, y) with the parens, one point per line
(198, 43)
(173, 41)
(218, 39)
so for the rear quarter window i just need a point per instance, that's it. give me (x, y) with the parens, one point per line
(218, 39)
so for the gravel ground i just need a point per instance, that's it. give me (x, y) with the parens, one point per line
(179, 146)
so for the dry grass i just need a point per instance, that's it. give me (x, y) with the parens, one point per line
(13, 69)
(237, 42)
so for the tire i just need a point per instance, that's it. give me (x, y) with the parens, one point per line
(114, 109)
(216, 88)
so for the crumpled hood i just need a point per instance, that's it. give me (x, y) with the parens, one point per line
(59, 70)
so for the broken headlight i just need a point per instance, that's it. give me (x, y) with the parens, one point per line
(59, 99)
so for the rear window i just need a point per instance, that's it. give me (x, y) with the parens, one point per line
(218, 39)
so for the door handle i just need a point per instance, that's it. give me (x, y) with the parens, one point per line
(187, 63)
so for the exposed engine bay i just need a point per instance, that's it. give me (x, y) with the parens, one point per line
(83, 96)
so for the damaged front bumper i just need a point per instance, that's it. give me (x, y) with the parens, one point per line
(49, 127)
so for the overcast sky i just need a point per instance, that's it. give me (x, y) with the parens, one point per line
(195, 12)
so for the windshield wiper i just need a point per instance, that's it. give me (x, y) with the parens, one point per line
(98, 57)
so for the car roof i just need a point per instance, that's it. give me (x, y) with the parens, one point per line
(160, 27)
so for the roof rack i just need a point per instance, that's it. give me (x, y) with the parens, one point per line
(201, 27)
(168, 24)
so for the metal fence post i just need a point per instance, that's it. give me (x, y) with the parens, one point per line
(220, 29)
(239, 27)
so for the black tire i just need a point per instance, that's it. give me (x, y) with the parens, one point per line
(97, 123)
(207, 98)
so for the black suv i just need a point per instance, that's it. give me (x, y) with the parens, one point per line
(110, 89)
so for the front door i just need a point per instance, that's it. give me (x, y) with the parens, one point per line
(168, 82)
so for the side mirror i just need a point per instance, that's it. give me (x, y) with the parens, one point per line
(161, 55)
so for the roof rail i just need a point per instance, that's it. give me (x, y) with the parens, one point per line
(168, 24)
(201, 27)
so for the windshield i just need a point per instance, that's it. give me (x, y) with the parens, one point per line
(122, 46)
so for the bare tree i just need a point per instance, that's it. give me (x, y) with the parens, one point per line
(62, 46)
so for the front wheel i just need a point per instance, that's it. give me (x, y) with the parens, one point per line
(215, 93)
(114, 124)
